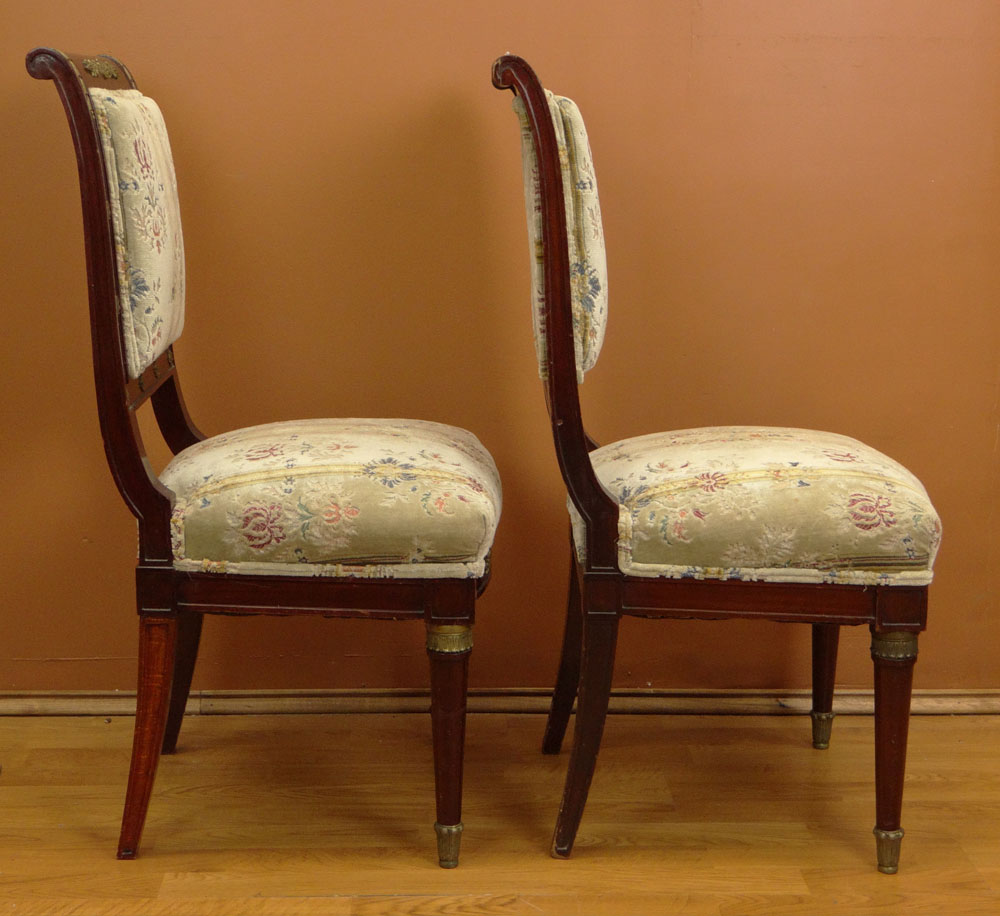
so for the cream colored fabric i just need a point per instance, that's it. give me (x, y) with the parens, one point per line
(146, 215)
(372, 498)
(585, 234)
(769, 504)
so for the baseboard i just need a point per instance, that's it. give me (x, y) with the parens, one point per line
(528, 700)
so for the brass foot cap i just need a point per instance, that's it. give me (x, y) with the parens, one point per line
(887, 843)
(822, 724)
(449, 841)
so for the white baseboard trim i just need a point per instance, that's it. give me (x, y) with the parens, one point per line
(530, 700)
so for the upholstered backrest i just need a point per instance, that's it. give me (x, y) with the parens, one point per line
(149, 247)
(584, 231)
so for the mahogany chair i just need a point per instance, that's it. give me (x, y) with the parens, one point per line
(721, 522)
(380, 519)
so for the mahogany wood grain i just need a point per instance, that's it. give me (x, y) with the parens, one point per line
(157, 641)
(449, 682)
(600, 634)
(188, 638)
(568, 676)
(825, 641)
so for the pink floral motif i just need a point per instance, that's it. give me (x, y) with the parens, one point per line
(438, 503)
(870, 512)
(143, 157)
(331, 448)
(837, 455)
(260, 452)
(334, 514)
(261, 526)
(712, 481)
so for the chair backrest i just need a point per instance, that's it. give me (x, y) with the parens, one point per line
(588, 268)
(569, 283)
(135, 269)
(146, 219)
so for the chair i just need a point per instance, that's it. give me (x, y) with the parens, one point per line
(773, 523)
(370, 518)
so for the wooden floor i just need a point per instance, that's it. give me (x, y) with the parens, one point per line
(332, 814)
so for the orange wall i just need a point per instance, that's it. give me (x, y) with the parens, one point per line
(801, 204)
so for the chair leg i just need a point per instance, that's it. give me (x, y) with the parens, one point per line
(825, 638)
(600, 633)
(188, 637)
(568, 677)
(448, 647)
(894, 654)
(157, 644)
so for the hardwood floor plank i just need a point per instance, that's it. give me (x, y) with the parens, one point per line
(301, 815)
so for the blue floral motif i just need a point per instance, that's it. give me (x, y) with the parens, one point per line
(139, 291)
(586, 283)
(389, 471)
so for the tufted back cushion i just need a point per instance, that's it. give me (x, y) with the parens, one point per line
(585, 234)
(149, 247)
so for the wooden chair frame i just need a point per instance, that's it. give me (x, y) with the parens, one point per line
(600, 594)
(171, 603)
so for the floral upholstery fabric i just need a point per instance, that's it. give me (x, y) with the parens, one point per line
(373, 498)
(770, 504)
(585, 234)
(147, 225)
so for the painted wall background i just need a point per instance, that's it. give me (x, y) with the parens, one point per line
(802, 207)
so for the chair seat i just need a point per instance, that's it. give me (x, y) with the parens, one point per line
(769, 504)
(344, 497)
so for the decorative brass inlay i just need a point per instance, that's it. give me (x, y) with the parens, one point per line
(894, 646)
(822, 723)
(101, 67)
(449, 841)
(451, 638)
(887, 844)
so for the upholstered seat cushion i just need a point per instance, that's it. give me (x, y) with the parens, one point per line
(771, 504)
(392, 498)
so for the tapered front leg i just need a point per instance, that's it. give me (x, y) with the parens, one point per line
(894, 654)
(157, 645)
(569, 666)
(825, 638)
(600, 634)
(188, 637)
(448, 647)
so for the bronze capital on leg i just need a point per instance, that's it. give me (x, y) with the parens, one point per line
(894, 646)
(449, 638)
